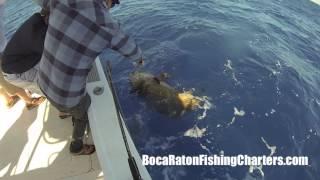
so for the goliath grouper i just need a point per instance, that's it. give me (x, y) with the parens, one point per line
(161, 95)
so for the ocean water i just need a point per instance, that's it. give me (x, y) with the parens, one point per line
(256, 62)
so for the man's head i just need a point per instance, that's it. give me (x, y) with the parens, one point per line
(111, 3)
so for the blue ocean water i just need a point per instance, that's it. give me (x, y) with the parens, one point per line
(258, 57)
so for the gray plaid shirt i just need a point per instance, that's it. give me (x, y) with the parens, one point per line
(79, 30)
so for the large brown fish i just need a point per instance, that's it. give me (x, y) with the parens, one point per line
(161, 95)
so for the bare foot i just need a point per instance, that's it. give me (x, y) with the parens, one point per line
(12, 101)
(35, 102)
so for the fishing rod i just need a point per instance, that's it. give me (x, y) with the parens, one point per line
(132, 162)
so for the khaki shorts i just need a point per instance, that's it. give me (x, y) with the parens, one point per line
(27, 80)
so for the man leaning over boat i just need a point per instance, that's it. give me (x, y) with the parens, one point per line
(78, 31)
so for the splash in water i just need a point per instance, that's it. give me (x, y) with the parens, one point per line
(204, 105)
(258, 169)
(195, 132)
(271, 148)
(229, 68)
(236, 113)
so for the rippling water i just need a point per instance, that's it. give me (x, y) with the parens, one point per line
(258, 62)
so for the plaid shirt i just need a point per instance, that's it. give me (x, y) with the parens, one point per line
(79, 30)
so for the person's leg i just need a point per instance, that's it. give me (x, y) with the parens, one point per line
(4, 95)
(28, 99)
(7, 99)
(80, 120)
(24, 96)
(26, 80)
(12, 93)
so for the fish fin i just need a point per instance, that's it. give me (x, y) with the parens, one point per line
(163, 76)
(157, 80)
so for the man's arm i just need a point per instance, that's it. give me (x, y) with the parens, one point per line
(125, 45)
(121, 42)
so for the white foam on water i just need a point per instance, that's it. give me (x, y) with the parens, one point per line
(312, 131)
(271, 148)
(278, 90)
(188, 90)
(274, 72)
(259, 167)
(232, 121)
(278, 64)
(235, 79)
(252, 168)
(208, 141)
(228, 67)
(205, 105)
(205, 148)
(224, 94)
(272, 111)
(238, 113)
(277, 71)
(195, 132)
(308, 136)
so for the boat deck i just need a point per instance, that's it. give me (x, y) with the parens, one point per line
(35, 145)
